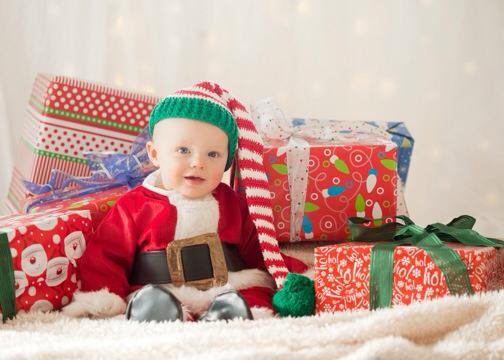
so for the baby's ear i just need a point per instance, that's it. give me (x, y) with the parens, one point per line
(152, 152)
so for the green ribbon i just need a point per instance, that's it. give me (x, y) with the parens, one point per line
(7, 291)
(432, 240)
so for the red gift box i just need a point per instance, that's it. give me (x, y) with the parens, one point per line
(66, 117)
(45, 249)
(98, 204)
(342, 274)
(354, 175)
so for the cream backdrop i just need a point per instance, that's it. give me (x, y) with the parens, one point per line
(437, 65)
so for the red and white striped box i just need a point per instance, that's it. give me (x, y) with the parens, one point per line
(66, 117)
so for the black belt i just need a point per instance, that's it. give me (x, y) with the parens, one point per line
(151, 267)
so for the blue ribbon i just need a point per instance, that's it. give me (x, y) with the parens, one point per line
(108, 170)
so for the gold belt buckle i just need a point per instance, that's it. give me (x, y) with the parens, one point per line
(175, 264)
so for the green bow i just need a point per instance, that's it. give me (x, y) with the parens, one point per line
(431, 239)
(7, 291)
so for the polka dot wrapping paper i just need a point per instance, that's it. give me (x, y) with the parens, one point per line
(98, 204)
(342, 274)
(344, 178)
(67, 117)
(45, 250)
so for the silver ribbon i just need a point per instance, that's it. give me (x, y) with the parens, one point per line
(272, 124)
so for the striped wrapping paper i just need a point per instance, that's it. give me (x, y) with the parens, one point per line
(66, 117)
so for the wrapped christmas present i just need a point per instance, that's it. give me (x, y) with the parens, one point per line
(67, 117)
(98, 204)
(415, 264)
(321, 173)
(111, 175)
(39, 254)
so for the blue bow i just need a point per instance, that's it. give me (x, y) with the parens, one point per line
(108, 170)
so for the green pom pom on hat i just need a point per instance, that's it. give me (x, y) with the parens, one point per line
(190, 104)
(296, 297)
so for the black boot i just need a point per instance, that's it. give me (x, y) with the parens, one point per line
(154, 303)
(227, 306)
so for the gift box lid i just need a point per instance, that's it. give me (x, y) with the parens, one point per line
(394, 131)
(9, 223)
(91, 103)
(355, 245)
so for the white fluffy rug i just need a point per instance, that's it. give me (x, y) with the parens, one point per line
(465, 327)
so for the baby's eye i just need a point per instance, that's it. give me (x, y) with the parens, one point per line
(213, 154)
(183, 150)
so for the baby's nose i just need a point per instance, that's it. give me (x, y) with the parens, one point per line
(197, 161)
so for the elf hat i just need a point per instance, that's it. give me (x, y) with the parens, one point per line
(199, 103)
(207, 101)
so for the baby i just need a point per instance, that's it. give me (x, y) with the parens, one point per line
(183, 244)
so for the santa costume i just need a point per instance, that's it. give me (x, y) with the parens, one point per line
(144, 221)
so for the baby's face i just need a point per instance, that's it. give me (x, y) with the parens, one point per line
(191, 154)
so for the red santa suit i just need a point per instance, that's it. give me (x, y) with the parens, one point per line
(148, 217)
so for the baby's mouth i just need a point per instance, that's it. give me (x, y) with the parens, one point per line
(194, 178)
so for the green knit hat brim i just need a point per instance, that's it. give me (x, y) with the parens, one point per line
(197, 109)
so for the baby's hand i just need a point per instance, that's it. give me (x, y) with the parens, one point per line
(96, 304)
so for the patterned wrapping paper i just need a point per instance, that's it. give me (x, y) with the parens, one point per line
(393, 131)
(66, 117)
(321, 172)
(45, 249)
(98, 204)
(355, 176)
(342, 274)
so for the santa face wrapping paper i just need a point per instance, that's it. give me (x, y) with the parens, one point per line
(67, 117)
(45, 249)
(98, 204)
(317, 184)
(342, 274)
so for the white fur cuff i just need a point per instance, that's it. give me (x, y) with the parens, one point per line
(247, 278)
(261, 313)
(97, 304)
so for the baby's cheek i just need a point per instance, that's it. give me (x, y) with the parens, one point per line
(216, 180)
(169, 176)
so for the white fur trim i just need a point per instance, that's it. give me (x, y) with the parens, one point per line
(196, 301)
(261, 313)
(194, 216)
(97, 304)
(250, 277)
(150, 183)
